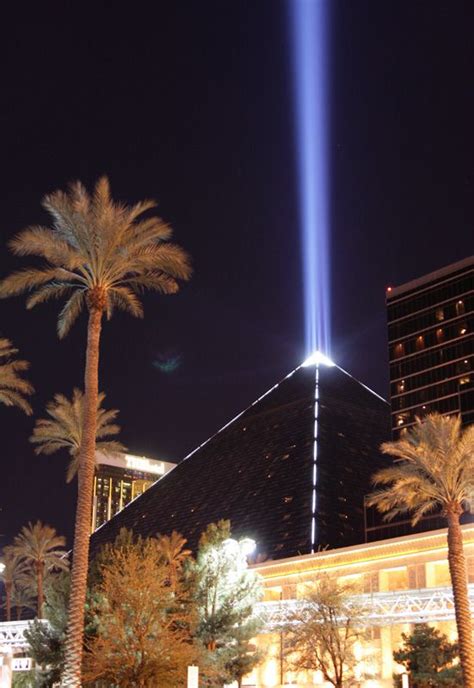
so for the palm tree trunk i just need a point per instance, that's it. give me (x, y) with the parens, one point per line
(39, 584)
(8, 600)
(457, 569)
(75, 629)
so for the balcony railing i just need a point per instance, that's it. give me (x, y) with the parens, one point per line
(382, 608)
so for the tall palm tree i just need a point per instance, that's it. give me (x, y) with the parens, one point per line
(63, 429)
(434, 469)
(98, 255)
(171, 550)
(13, 570)
(13, 387)
(40, 549)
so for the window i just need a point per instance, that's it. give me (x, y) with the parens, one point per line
(394, 579)
(439, 335)
(402, 418)
(437, 574)
(354, 582)
(439, 314)
(460, 309)
(399, 350)
(420, 342)
(272, 594)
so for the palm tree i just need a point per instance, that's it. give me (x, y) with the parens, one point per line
(434, 469)
(98, 256)
(63, 429)
(22, 598)
(40, 549)
(12, 571)
(171, 549)
(13, 387)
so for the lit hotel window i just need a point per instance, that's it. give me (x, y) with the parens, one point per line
(460, 307)
(463, 329)
(400, 387)
(439, 314)
(464, 380)
(399, 350)
(420, 342)
(463, 366)
(439, 335)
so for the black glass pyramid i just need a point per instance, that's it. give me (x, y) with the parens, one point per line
(290, 471)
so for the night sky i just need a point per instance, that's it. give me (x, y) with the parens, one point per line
(190, 102)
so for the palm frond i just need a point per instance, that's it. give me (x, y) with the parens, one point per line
(62, 429)
(152, 281)
(40, 545)
(26, 280)
(13, 387)
(6, 348)
(124, 299)
(70, 312)
(96, 245)
(43, 242)
(433, 468)
(53, 290)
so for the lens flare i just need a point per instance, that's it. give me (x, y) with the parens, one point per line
(309, 20)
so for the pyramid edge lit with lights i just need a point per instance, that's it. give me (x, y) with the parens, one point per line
(290, 471)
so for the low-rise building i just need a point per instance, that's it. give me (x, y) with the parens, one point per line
(400, 582)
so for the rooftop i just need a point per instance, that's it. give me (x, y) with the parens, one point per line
(427, 280)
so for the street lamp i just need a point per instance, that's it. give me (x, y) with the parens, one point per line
(246, 545)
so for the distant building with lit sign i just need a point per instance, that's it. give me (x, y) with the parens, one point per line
(431, 345)
(119, 479)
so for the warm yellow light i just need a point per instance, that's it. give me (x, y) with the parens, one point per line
(360, 555)
(270, 674)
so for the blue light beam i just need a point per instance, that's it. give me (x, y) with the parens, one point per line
(310, 39)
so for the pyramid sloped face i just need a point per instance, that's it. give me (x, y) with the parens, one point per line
(353, 423)
(258, 471)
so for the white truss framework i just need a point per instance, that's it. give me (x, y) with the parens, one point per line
(12, 634)
(383, 608)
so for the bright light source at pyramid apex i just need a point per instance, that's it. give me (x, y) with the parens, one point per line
(318, 358)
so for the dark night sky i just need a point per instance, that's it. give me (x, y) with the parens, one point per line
(191, 104)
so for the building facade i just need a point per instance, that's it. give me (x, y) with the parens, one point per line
(119, 479)
(431, 345)
(398, 582)
(290, 471)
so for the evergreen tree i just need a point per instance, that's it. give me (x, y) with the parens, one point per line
(46, 640)
(428, 657)
(225, 593)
